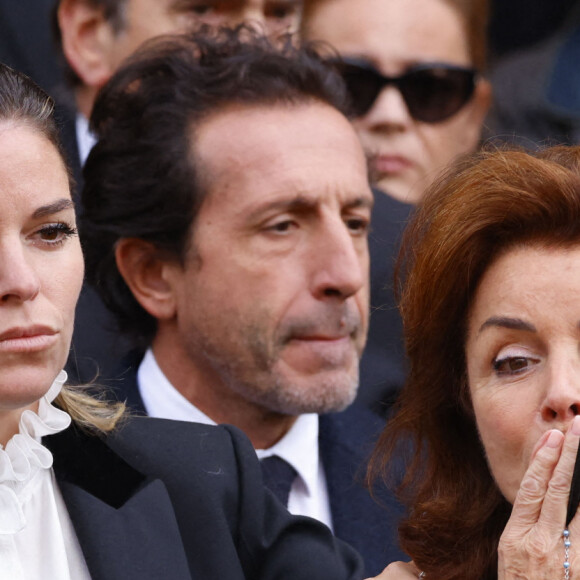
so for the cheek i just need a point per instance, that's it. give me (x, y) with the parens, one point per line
(504, 427)
(65, 287)
(364, 131)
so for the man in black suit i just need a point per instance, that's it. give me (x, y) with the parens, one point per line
(226, 212)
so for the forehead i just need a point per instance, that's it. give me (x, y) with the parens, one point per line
(389, 33)
(32, 172)
(530, 279)
(248, 155)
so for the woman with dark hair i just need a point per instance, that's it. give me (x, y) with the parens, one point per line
(488, 420)
(85, 492)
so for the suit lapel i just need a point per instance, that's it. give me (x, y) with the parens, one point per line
(124, 521)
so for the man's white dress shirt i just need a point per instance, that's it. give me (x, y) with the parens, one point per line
(85, 139)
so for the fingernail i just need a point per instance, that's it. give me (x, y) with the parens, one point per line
(554, 438)
(576, 425)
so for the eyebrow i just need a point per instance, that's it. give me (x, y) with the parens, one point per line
(302, 204)
(52, 208)
(506, 322)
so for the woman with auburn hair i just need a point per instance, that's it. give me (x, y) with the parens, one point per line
(487, 421)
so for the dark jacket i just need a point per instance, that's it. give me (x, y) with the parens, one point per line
(172, 500)
(346, 440)
(383, 365)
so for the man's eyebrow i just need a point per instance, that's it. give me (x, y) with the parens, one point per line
(361, 201)
(507, 322)
(51, 208)
(302, 204)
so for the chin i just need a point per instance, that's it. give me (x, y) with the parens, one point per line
(398, 188)
(27, 384)
(329, 393)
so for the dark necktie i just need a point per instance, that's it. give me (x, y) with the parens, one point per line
(278, 476)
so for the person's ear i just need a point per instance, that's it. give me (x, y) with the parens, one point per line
(87, 39)
(148, 275)
(481, 100)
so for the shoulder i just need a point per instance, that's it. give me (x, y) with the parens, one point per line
(179, 449)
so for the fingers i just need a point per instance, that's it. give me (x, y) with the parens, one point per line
(534, 486)
(556, 501)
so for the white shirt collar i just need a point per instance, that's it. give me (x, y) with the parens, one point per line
(85, 138)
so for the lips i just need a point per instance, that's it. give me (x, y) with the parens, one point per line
(27, 339)
(391, 164)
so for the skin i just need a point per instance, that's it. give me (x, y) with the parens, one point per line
(388, 35)
(523, 366)
(268, 315)
(95, 50)
(523, 361)
(41, 270)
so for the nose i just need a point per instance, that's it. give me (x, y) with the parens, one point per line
(389, 112)
(562, 400)
(340, 264)
(253, 16)
(19, 281)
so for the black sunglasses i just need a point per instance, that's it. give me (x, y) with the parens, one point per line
(432, 92)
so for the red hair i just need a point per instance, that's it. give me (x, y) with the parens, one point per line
(483, 205)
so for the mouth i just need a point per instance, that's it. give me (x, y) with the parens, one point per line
(391, 164)
(27, 339)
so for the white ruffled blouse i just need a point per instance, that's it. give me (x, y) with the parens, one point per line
(37, 539)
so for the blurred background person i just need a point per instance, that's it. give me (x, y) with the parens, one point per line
(491, 308)
(95, 36)
(414, 69)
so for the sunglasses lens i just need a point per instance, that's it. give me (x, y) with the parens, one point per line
(435, 94)
(363, 87)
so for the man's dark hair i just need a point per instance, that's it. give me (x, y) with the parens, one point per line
(113, 12)
(142, 179)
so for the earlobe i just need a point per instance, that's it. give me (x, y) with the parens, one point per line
(87, 38)
(146, 274)
(482, 97)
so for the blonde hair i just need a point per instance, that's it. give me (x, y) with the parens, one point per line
(90, 412)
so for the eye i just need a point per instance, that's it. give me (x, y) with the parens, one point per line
(54, 234)
(282, 227)
(513, 365)
(201, 9)
(282, 11)
(357, 225)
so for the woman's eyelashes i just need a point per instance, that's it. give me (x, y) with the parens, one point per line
(53, 234)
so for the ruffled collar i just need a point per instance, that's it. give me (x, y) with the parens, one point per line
(24, 456)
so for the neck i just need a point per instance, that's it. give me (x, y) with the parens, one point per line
(204, 388)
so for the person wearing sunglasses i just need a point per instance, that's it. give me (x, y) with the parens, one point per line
(414, 72)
